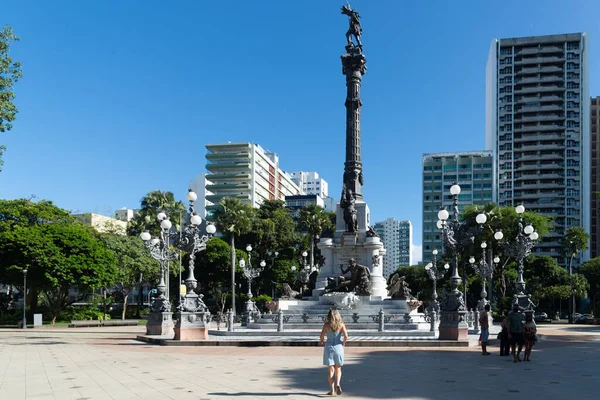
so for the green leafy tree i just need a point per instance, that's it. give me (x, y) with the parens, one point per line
(26, 213)
(233, 218)
(313, 220)
(574, 242)
(506, 220)
(591, 271)
(153, 203)
(10, 73)
(57, 258)
(133, 263)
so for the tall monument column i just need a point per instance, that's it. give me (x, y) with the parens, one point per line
(354, 247)
(354, 67)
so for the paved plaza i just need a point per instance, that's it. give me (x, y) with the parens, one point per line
(107, 363)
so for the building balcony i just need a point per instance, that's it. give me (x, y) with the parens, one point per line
(539, 176)
(540, 167)
(536, 147)
(537, 137)
(540, 89)
(538, 157)
(537, 118)
(239, 156)
(541, 99)
(540, 50)
(540, 108)
(540, 60)
(214, 178)
(540, 128)
(215, 198)
(219, 187)
(240, 166)
(538, 79)
(538, 70)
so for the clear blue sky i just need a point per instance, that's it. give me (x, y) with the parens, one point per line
(120, 97)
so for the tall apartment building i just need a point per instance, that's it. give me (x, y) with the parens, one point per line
(310, 183)
(397, 238)
(473, 170)
(595, 177)
(245, 171)
(202, 188)
(537, 125)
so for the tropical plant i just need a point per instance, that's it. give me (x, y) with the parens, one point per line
(151, 204)
(233, 218)
(313, 220)
(133, 262)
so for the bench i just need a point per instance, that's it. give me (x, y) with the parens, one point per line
(120, 322)
(84, 324)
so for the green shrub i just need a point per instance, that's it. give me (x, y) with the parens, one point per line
(261, 300)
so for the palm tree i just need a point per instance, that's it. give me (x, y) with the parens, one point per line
(314, 220)
(233, 218)
(153, 203)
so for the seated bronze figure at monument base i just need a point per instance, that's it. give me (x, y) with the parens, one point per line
(359, 282)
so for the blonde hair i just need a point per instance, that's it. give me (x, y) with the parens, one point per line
(334, 319)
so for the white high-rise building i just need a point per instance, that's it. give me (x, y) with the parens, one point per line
(538, 127)
(201, 186)
(397, 239)
(247, 172)
(310, 183)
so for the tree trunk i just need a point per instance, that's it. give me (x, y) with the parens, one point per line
(503, 283)
(125, 295)
(33, 299)
(312, 251)
(232, 244)
(140, 299)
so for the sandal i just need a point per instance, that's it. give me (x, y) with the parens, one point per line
(330, 393)
(338, 390)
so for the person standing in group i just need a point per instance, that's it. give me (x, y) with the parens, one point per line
(333, 353)
(515, 332)
(485, 329)
(503, 336)
(529, 335)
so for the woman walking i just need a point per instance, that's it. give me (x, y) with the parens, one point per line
(529, 335)
(333, 353)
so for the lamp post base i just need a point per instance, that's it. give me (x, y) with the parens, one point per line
(160, 324)
(453, 326)
(192, 325)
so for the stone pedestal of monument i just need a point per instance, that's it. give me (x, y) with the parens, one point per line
(453, 326)
(192, 325)
(367, 251)
(160, 324)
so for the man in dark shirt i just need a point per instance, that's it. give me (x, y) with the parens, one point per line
(515, 331)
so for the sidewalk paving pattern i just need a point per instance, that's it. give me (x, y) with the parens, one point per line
(107, 363)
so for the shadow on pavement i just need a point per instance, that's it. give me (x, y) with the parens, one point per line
(263, 394)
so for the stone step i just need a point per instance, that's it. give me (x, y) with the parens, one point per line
(316, 332)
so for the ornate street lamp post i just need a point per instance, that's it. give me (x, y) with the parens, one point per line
(160, 320)
(485, 271)
(457, 236)
(251, 312)
(24, 299)
(435, 275)
(304, 255)
(191, 241)
(518, 250)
